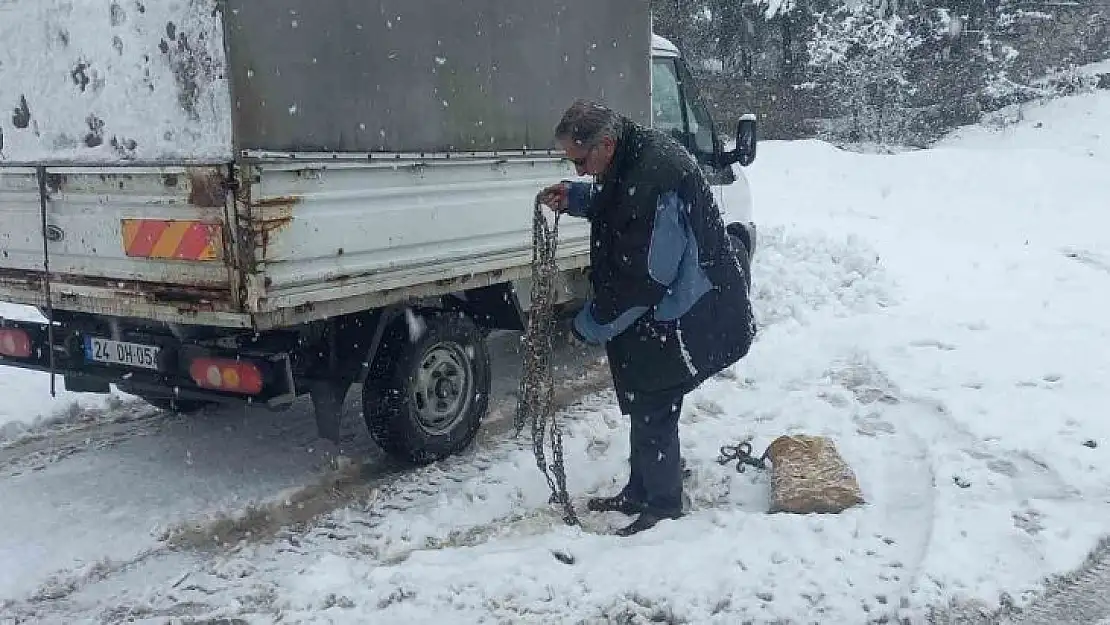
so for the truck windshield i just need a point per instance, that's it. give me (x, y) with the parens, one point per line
(666, 99)
(698, 118)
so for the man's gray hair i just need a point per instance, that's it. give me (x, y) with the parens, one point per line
(587, 122)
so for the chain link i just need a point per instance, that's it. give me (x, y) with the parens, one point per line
(536, 404)
(742, 455)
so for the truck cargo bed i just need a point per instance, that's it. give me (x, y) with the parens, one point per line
(259, 165)
(341, 237)
(298, 241)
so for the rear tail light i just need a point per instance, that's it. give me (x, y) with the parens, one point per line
(15, 343)
(234, 376)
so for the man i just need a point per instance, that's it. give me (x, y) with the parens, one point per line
(670, 295)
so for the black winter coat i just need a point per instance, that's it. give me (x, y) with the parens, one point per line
(670, 297)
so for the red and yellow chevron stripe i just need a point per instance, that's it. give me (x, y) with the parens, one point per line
(169, 239)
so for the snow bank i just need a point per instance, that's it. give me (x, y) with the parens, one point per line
(1101, 67)
(1074, 125)
(96, 81)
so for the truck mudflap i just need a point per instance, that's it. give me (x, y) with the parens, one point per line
(147, 365)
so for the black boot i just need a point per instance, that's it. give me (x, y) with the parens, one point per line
(647, 520)
(617, 503)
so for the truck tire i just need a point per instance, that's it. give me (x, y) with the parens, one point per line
(743, 241)
(433, 391)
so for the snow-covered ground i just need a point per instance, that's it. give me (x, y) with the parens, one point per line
(26, 399)
(1101, 67)
(941, 314)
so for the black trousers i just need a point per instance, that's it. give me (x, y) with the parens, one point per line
(655, 479)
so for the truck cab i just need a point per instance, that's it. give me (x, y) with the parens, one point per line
(679, 109)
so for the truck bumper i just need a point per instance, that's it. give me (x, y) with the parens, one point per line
(171, 378)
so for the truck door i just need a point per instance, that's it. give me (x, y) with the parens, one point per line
(678, 109)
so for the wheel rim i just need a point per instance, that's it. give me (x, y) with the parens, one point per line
(443, 388)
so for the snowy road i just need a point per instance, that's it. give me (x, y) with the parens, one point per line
(102, 486)
(940, 314)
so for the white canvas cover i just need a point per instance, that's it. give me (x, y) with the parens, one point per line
(109, 81)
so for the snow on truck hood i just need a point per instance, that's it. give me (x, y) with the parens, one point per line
(99, 82)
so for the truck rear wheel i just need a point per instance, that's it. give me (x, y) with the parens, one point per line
(434, 389)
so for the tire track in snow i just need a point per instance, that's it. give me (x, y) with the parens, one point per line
(214, 590)
(915, 491)
(75, 431)
(301, 518)
(280, 519)
(300, 522)
(1088, 258)
(1078, 597)
(352, 480)
(1070, 599)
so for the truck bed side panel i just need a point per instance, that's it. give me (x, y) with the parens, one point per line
(349, 231)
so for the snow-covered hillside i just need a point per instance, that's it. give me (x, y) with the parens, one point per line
(940, 314)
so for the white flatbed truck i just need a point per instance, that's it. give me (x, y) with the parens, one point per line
(223, 201)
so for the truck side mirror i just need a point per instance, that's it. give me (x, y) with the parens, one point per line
(746, 140)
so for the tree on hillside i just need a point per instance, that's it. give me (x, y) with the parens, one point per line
(897, 70)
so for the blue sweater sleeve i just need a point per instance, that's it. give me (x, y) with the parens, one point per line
(663, 273)
(580, 197)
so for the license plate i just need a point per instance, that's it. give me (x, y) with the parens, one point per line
(121, 353)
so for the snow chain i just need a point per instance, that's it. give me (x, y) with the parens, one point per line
(743, 457)
(537, 385)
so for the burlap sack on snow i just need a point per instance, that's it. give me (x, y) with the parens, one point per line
(808, 476)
